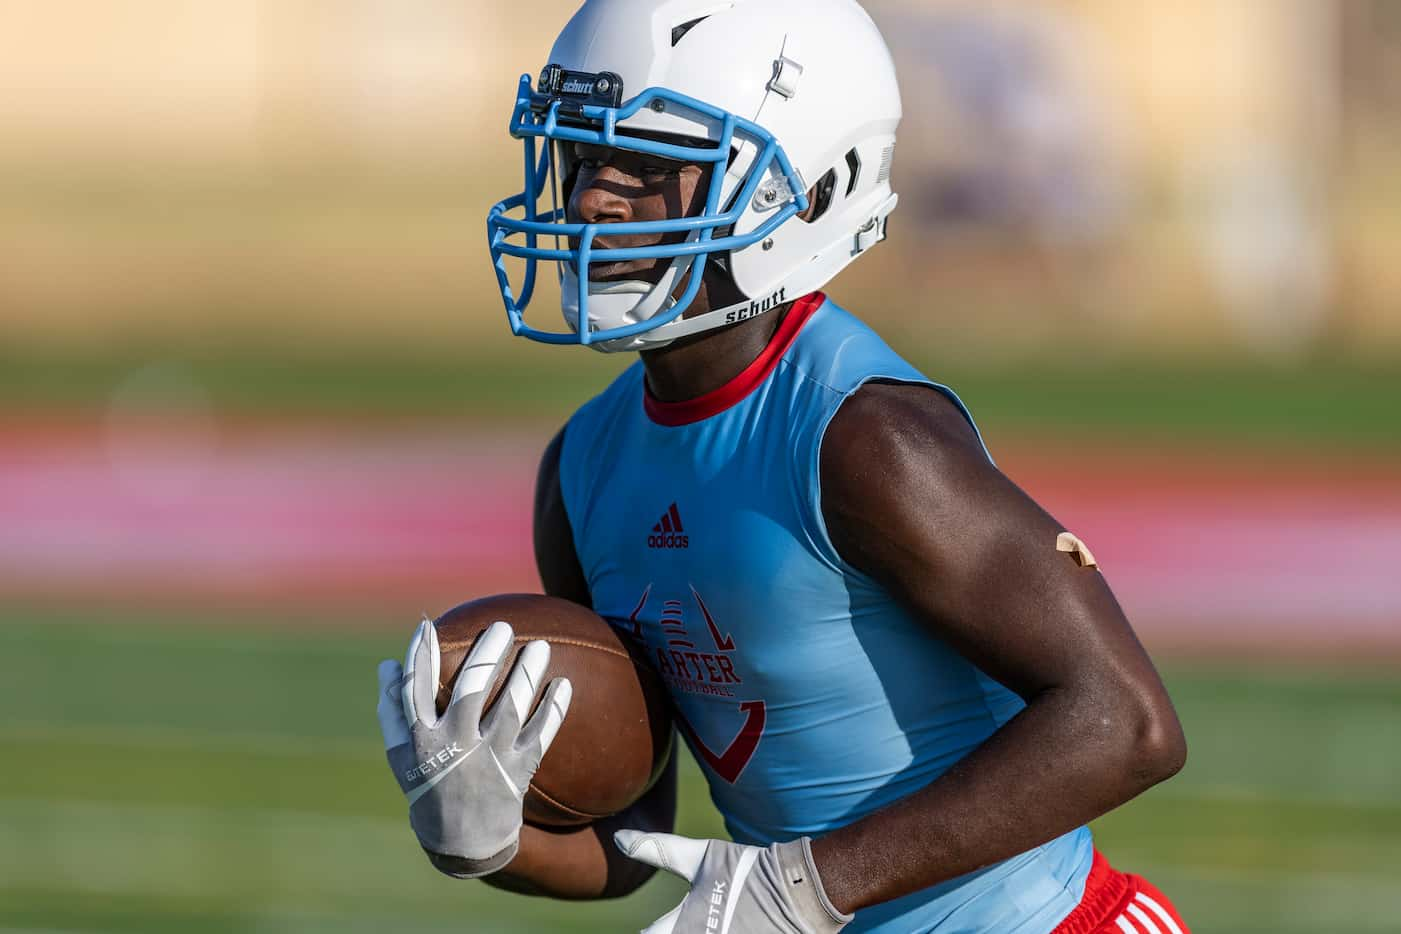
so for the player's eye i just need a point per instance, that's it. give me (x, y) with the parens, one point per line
(589, 157)
(661, 171)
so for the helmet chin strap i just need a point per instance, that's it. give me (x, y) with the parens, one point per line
(617, 304)
(809, 278)
(706, 321)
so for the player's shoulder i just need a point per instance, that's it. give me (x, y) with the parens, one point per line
(839, 352)
(612, 400)
(877, 392)
(890, 445)
(889, 412)
(891, 416)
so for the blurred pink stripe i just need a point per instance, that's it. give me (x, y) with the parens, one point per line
(1232, 552)
(1198, 551)
(262, 515)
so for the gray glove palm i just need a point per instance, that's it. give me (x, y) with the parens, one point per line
(464, 773)
(738, 889)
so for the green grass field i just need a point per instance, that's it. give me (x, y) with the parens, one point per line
(1325, 404)
(226, 778)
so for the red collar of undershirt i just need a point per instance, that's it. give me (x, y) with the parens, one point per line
(674, 414)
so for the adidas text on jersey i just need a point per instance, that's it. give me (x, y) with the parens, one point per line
(668, 533)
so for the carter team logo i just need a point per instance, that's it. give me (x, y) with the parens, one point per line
(703, 664)
(668, 532)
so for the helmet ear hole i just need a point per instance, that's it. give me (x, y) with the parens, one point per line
(820, 197)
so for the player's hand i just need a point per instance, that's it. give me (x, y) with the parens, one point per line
(465, 774)
(737, 889)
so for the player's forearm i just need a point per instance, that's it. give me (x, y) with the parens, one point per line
(573, 864)
(1063, 761)
(582, 863)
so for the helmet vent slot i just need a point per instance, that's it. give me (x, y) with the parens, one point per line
(853, 164)
(822, 196)
(887, 156)
(679, 32)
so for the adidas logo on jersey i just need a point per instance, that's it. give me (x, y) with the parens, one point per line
(668, 533)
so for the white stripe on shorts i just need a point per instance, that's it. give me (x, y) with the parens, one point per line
(1142, 918)
(1153, 906)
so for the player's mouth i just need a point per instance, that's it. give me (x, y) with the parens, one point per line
(614, 272)
(647, 269)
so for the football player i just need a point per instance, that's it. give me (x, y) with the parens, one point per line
(908, 686)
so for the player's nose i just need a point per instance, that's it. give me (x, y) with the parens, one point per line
(603, 198)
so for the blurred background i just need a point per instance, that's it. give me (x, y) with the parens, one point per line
(259, 410)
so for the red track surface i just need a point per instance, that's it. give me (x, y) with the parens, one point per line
(1202, 551)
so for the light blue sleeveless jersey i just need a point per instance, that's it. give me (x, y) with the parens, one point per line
(807, 694)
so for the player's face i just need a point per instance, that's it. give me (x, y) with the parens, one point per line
(616, 186)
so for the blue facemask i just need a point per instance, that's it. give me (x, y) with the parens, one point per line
(571, 107)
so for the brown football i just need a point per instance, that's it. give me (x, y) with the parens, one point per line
(617, 736)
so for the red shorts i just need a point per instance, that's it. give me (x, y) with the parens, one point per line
(1118, 903)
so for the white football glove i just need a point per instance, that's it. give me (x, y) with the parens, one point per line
(465, 775)
(738, 889)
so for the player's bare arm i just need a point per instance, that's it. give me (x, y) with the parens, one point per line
(580, 862)
(910, 499)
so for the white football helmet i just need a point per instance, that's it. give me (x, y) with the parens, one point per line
(788, 97)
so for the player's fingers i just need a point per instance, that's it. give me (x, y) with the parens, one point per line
(480, 669)
(421, 675)
(390, 710)
(666, 924)
(503, 721)
(406, 680)
(544, 724)
(679, 855)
